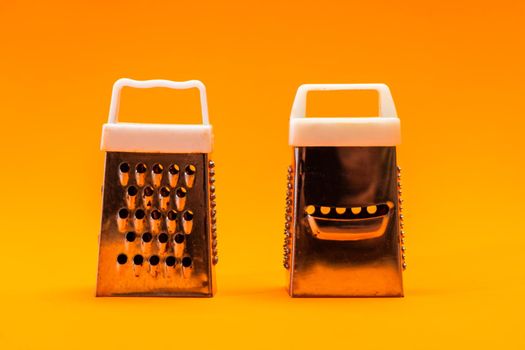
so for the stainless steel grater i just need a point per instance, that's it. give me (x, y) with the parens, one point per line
(344, 229)
(158, 234)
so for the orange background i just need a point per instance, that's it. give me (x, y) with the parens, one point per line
(456, 71)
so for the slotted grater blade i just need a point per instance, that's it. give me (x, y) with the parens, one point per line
(158, 232)
(346, 227)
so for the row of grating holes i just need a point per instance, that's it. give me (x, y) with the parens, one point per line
(148, 237)
(155, 214)
(154, 260)
(164, 191)
(157, 168)
(372, 209)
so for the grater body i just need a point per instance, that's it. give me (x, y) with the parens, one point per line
(157, 233)
(343, 223)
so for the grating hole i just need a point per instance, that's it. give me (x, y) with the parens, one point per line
(181, 192)
(325, 210)
(155, 214)
(310, 209)
(157, 168)
(130, 236)
(188, 215)
(132, 190)
(170, 260)
(154, 260)
(186, 261)
(355, 210)
(122, 259)
(124, 167)
(139, 214)
(141, 168)
(165, 191)
(147, 237)
(163, 238)
(123, 213)
(179, 238)
(371, 209)
(190, 170)
(148, 191)
(138, 259)
(172, 215)
(340, 211)
(174, 169)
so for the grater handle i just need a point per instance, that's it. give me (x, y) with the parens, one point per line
(156, 83)
(387, 108)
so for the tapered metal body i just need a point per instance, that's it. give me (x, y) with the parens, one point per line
(344, 222)
(149, 264)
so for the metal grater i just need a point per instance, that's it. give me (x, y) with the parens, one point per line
(344, 229)
(158, 234)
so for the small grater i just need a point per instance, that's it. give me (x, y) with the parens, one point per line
(158, 232)
(344, 229)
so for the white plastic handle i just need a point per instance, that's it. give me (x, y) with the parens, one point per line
(386, 103)
(155, 83)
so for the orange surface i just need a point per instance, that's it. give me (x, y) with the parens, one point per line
(456, 72)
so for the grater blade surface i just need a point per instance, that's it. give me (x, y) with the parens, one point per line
(342, 231)
(157, 236)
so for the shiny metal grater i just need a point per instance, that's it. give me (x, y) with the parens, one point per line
(158, 233)
(344, 232)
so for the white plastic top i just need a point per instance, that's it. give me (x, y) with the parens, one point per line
(156, 138)
(361, 131)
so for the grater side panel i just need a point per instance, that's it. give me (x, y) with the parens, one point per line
(339, 253)
(154, 275)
